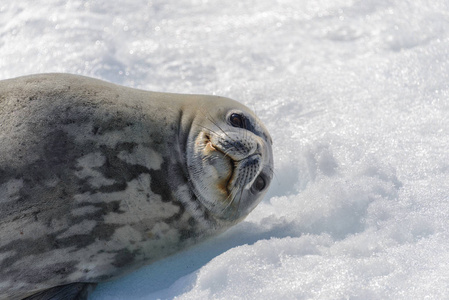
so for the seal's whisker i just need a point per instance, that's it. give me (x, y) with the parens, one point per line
(222, 130)
(270, 169)
(243, 182)
(240, 200)
(211, 119)
(275, 176)
(229, 200)
(207, 128)
(226, 152)
(271, 172)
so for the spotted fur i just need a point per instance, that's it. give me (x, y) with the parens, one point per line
(95, 179)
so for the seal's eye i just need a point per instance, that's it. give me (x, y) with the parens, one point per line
(237, 120)
(259, 184)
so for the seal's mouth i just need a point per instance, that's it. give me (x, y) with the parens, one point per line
(223, 165)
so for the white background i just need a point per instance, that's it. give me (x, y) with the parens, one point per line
(355, 95)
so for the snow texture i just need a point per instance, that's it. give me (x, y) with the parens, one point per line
(355, 95)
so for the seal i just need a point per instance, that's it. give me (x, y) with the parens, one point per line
(97, 179)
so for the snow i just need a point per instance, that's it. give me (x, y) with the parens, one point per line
(355, 95)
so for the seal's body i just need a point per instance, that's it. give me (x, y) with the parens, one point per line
(98, 179)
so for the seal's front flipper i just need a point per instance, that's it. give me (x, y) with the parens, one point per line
(73, 291)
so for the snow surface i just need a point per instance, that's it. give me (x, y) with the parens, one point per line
(355, 95)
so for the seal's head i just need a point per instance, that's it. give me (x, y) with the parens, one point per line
(229, 158)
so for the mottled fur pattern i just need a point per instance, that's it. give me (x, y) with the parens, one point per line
(94, 181)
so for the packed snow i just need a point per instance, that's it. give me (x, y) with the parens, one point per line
(355, 95)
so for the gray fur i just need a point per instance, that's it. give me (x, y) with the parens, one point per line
(73, 291)
(94, 179)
